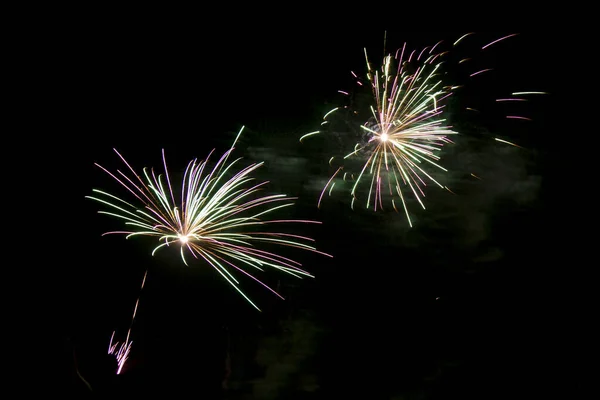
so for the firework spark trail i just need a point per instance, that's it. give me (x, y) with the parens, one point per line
(121, 352)
(213, 220)
(407, 129)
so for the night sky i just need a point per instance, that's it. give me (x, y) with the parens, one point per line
(461, 305)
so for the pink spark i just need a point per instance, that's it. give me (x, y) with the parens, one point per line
(479, 72)
(497, 40)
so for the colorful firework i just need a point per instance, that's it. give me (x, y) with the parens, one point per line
(218, 217)
(401, 141)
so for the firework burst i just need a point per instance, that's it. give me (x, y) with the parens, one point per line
(400, 143)
(218, 217)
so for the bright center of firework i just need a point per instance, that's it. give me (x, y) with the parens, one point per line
(384, 137)
(183, 238)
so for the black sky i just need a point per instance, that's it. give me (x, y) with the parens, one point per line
(462, 305)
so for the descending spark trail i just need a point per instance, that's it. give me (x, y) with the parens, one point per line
(121, 352)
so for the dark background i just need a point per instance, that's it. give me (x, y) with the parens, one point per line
(471, 302)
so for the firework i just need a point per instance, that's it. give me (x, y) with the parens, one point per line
(121, 352)
(218, 217)
(400, 143)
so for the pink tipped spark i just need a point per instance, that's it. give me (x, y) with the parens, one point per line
(325, 188)
(482, 71)
(497, 40)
